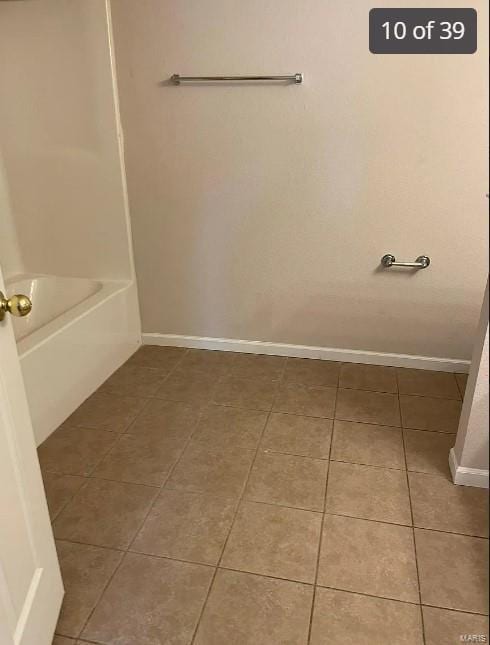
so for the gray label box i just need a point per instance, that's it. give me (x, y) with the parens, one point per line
(423, 31)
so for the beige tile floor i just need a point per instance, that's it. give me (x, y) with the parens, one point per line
(216, 498)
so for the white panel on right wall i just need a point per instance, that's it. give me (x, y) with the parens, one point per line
(469, 457)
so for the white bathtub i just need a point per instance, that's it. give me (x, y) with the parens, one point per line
(78, 333)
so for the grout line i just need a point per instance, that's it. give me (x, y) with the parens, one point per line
(82, 485)
(293, 414)
(462, 390)
(169, 373)
(99, 597)
(202, 410)
(168, 476)
(370, 595)
(138, 414)
(195, 563)
(105, 587)
(238, 506)
(96, 546)
(434, 432)
(265, 575)
(246, 499)
(408, 526)
(292, 508)
(361, 463)
(430, 396)
(457, 611)
(268, 451)
(364, 423)
(124, 481)
(413, 529)
(322, 524)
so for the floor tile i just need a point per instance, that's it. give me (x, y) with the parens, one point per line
(462, 380)
(203, 413)
(169, 419)
(107, 412)
(224, 427)
(246, 609)
(306, 400)
(59, 490)
(134, 380)
(376, 378)
(368, 492)
(189, 386)
(258, 366)
(141, 459)
(201, 470)
(425, 413)
(347, 617)
(453, 570)
(274, 541)
(105, 513)
(438, 504)
(211, 362)
(368, 407)
(288, 480)
(427, 383)
(186, 526)
(444, 627)
(85, 570)
(368, 557)
(255, 394)
(307, 371)
(306, 436)
(75, 451)
(165, 358)
(150, 601)
(428, 452)
(364, 443)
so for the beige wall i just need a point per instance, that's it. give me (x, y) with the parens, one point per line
(59, 142)
(262, 212)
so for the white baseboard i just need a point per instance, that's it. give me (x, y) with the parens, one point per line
(305, 351)
(467, 476)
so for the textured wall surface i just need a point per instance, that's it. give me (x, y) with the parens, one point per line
(261, 212)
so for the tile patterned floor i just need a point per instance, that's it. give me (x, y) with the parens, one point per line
(211, 498)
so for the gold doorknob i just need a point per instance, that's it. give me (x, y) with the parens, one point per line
(18, 305)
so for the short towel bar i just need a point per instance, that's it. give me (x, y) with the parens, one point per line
(422, 262)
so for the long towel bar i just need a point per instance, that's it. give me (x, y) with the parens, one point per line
(176, 79)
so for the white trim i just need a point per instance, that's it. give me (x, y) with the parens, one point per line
(467, 476)
(305, 351)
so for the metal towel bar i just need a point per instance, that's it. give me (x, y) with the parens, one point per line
(176, 79)
(422, 262)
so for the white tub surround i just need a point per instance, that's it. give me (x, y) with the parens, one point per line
(78, 333)
(63, 190)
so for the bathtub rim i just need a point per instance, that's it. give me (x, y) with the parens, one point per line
(15, 284)
(44, 334)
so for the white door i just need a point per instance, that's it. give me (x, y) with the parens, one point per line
(31, 589)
